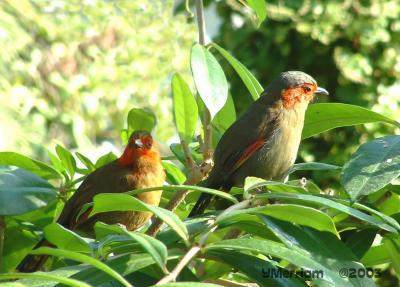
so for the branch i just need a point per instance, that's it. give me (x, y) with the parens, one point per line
(196, 173)
(203, 238)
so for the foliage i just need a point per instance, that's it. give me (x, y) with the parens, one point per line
(298, 227)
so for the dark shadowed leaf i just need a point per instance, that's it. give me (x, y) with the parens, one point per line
(327, 116)
(374, 165)
(312, 166)
(22, 191)
(140, 119)
(209, 79)
(185, 109)
(37, 167)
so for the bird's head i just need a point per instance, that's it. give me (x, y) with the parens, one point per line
(295, 87)
(141, 145)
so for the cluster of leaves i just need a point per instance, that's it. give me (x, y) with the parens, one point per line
(73, 68)
(301, 227)
(304, 228)
(350, 47)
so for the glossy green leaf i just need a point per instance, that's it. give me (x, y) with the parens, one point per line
(67, 159)
(84, 259)
(104, 159)
(271, 248)
(209, 79)
(218, 193)
(189, 284)
(320, 200)
(254, 267)
(66, 239)
(37, 167)
(299, 214)
(140, 119)
(252, 183)
(253, 86)
(226, 116)
(154, 247)
(123, 202)
(185, 109)
(87, 162)
(22, 191)
(323, 247)
(374, 165)
(174, 174)
(45, 277)
(327, 116)
(312, 166)
(259, 8)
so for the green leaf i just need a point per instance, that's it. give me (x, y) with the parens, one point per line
(185, 109)
(271, 248)
(226, 116)
(174, 174)
(299, 214)
(209, 79)
(219, 193)
(37, 167)
(84, 259)
(154, 247)
(67, 160)
(252, 183)
(360, 241)
(140, 119)
(322, 247)
(374, 165)
(87, 162)
(123, 202)
(327, 116)
(104, 159)
(64, 238)
(22, 191)
(254, 267)
(312, 166)
(189, 284)
(319, 200)
(194, 149)
(45, 277)
(248, 79)
(259, 7)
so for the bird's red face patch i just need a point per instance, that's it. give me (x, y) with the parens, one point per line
(292, 96)
(140, 146)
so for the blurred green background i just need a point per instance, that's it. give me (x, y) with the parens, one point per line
(71, 70)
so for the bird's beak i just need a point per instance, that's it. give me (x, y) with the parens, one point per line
(139, 143)
(321, 91)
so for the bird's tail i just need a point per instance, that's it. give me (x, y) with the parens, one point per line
(205, 198)
(32, 263)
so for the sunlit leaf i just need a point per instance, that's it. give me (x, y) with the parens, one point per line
(209, 79)
(140, 119)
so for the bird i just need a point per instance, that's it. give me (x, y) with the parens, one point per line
(138, 167)
(265, 140)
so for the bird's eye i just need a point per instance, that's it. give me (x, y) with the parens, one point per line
(307, 89)
(148, 143)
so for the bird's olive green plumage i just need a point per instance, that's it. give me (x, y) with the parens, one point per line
(264, 141)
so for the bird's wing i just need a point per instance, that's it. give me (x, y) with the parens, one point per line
(107, 179)
(244, 138)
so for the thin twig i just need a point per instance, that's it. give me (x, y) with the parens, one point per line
(196, 173)
(203, 238)
(171, 277)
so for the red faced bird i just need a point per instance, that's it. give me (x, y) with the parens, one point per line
(138, 167)
(264, 141)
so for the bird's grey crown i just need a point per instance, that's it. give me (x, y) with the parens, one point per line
(292, 79)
